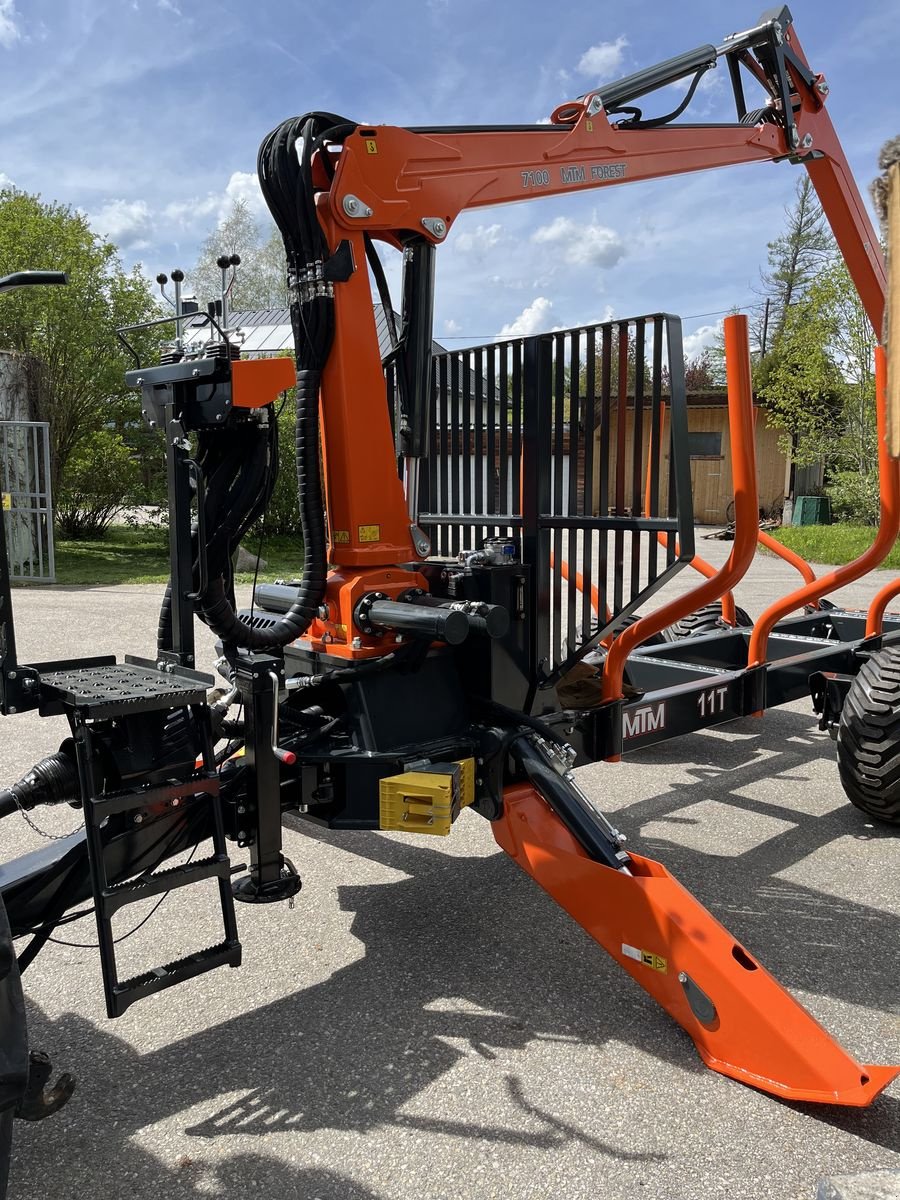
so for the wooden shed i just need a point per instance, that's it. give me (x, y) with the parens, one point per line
(710, 451)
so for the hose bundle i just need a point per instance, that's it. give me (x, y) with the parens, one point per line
(240, 476)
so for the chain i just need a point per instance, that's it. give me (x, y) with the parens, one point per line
(51, 837)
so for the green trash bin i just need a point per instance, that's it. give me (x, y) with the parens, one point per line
(811, 510)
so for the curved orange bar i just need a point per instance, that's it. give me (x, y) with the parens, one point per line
(789, 556)
(746, 514)
(877, 608)
(743, 1023)
(889, 526)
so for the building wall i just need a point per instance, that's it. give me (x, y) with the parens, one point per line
(711, 477)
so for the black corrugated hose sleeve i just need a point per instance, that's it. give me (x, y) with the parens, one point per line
(217, 610)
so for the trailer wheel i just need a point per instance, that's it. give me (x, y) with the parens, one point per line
(705, 620)
(868, 740)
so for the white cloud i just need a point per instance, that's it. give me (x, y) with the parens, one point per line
(533, 319)
(582, 245)
(10, 31)
(701, 339)
(128, 223)
(480, 239)
(243, 185)
(600, 60)
(5, 181)
(451, 326)
(169, 6)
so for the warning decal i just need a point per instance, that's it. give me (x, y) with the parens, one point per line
(654, 961)
(370, 533)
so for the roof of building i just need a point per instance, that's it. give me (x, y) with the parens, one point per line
(268, 330)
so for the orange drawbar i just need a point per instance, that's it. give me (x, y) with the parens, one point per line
(744, 1024)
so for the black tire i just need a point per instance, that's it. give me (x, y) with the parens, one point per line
(868, 741)
(705, 620)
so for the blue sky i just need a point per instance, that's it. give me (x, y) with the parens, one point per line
(147, 115)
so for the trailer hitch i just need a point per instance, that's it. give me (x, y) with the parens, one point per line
(39, 1100)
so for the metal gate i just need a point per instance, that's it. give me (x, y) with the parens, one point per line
(574, 444)
(25, 484)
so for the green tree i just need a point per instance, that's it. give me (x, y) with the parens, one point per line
(802, 386)
(795, 259)
(261, 279)
(66, 335)
(101, 476)
(851, 344)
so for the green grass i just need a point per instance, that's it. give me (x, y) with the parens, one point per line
(832, 545)
(140, 555)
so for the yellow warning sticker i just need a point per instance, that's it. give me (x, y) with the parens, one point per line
(589, 126)
(654, 961)
(370, 533)
(371, 146)
(342, 537)
(7, 500)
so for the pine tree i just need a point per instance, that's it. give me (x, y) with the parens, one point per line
(795, 259)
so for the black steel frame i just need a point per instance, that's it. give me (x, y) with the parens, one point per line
(513, 432)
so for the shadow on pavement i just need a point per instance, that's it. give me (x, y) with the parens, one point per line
(354, 1051)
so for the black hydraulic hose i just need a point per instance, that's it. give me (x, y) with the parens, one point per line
(217, 609)
(53, 780)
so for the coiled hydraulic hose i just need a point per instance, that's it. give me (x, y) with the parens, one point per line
(286, 180)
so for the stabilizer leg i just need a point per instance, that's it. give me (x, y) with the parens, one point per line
(743, 1023)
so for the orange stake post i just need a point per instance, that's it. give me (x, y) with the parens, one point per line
(746, 513)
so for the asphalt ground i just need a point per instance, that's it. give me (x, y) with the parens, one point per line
(426, 1023)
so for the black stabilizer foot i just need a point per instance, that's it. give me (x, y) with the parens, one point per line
(39, 1101)
(284, 888)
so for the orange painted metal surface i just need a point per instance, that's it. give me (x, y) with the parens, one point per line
(404, 180)
(784, 552)
(335, 632)
(878, 607)
(889, 527)
(746, 514)
(789, 556)
(657, 932)
(257, 381)
(368, 520)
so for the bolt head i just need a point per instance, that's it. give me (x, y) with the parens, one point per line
(807, 141)
(351, 205)
(682, 978)
(822, 88)
(10, 675)
(195, 372)
(138, 818)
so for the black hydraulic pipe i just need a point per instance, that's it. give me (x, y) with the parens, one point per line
(632, 87)
(492, 620)
(582, 820)
(414, 360)
(445, 625)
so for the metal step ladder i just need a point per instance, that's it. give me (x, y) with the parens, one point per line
(91, 693)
